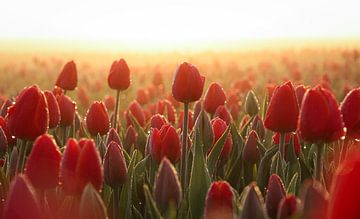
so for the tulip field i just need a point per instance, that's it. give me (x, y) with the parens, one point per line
(257, 135)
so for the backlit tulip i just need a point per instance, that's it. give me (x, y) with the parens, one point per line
(138, 113)
(350, 109)
(251, 152)
(109, 102)
(315, 200)
(54, 111)
(253, 206)
(300, 91)
(288, 207)
(91, 204)
(97, 119)
(258, 125)
(119, 75)
(219, 201)
(142, 96)
(187, 84)
(165, 143)
(251, 104)
(157, 121)
(219, 127)
(130, 138)
(275, 192)
(283, 111)
(320, 119)
(67, 110)
(43, 164)
(67, 78)
(214, 97)
(113, 136)
(28, 118)
(115, 169)
(223, 114)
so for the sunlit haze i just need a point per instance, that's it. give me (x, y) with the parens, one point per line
(159, 24)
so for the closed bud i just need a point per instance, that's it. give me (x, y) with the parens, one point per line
(214, 97)
(197, 109)
(223, 114)
(54, 111)
(219, 127)
(315, 200)
(350, 109)
(157, 121)
(167, 188)
(251, 152)
(119, 75)
(113, 136)
(219, 201)
(67, 78)
(251, 104)
(137, 111)
(91, 204)
(258, 126)
(97, 119)
(130, 138)
(253, 203)
(115, 169)
(206, 132)
(274, 194)
(67, 110)
(142, 96)
(288, 207)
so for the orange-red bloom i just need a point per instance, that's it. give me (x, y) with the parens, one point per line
(219, 201)
(219, 127)
(119, 76)
(67, 79)
(67, 110)
(138, 113)
(54, 111)
(350, 109)
(214, 97)
(97, 119)
(115, 169)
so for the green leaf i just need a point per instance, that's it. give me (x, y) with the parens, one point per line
(277, 165)
(264, 168)
(141, 138)
(91, 204)
(150, 204)
(294, 184)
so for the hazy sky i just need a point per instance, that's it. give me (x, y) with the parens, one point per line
(167, 21)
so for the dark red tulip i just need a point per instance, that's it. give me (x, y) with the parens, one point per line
(138, 113)
(223, 114)
(253, 204)
(130, 138)
(67, 110)
(197, 109)
(113, 136)
(258, 125)
(320, 118)
(300, 91)
(83, 97)
(283, 111)
(167, 188)
(115, 169)
(288, 207)
(165, 143)
(119, 75)
(28, 118)
(4, 125)
(188, 84)
(54, 111)
(91, 204)
(297, 146)
(315, 200)
(97, 119)
(109, 102)
(219, 201)
(43, 163)
(157, 121)
(219, 127)
(142, 96)
(350, 109)
(22, 202)
(251, 152)
(190, 121)
(275, 192)
(214, 97)
(67, 79)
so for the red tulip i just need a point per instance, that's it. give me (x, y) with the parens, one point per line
(67, 79)
(288, 207)
(315, 200)
(157, 121)
(54, 111)
(109, 102)
(253, 204)
(350, 109)
(67, 110)
(165, 143)
(138, 113)
(22, 202)
(4, 125)
(219, 201)
(190, 121)
(28, 118)
(219, 127)
(214, 97)
(297, 146)
(197, 109)
(283, 111)
(275, 193)
(223, 114)
(142, 96)
(113, 136)
(320, 118)
(97, 119)
(300, 91)
(119, 76)
(115, 169)
(43, 164)
(251, 152)
(130, 138)
(188, 84)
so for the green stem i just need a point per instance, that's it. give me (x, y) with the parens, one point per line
(116, 109)
(19, 159)
(282, 145)
(319, 162)
(183, 164)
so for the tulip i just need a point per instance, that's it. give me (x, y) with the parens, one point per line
(297, 146)
(223, 114)
(214, 97)
(119, 75)
(28, 118)
(197, 109)
(258, 125)
(67, 79)
(251, 152)
(283, 111)
(91, 204)
(157, 121)
(157, 79)
(165, 107)
(253, 204)
(350, 109)
(97, 119)
(251, 104)
(67, 110)
(130, 138)
(22, 202)
(300, 91)
(43, 164)
(138, 113)
(315, 200)
(167, 188)
(113, 136)
(203, 124)
(142, 96)
(219, 127)
(219, 201)
(288, 207)
(4, 125)
(164, 143)
(190, 121)
(54, 111)
(109, 102)
(188, 84)
(115, 169)
(275, 193)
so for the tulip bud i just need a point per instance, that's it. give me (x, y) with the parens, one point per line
(165, 143)
(97, 119)
(206, 132)
(28, 118)
(167, 188)
(170, 112)
(190, 121)
(275, 192)
(138, 113)
(320, 118)
(188, 84)
(223, 114)
(119, 75)
(315, 201)
(43, 164)
(350, 109)
(67, 110)
(288, 207)
(130, 138)
(251, 152)
(67, 79)
(197, 109)
(251, 104)
(253, 204)
(142, 96)
(278, 117)
(214, 97)
(3, 143)
(219, 201)
(54, 111)
(91, 204)
(109, 102)
(219, 127)
(258, 126)
(113, 136)
(4, 125)
(115, 169)
(157, 121)
(22, 202)
(300, 91)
